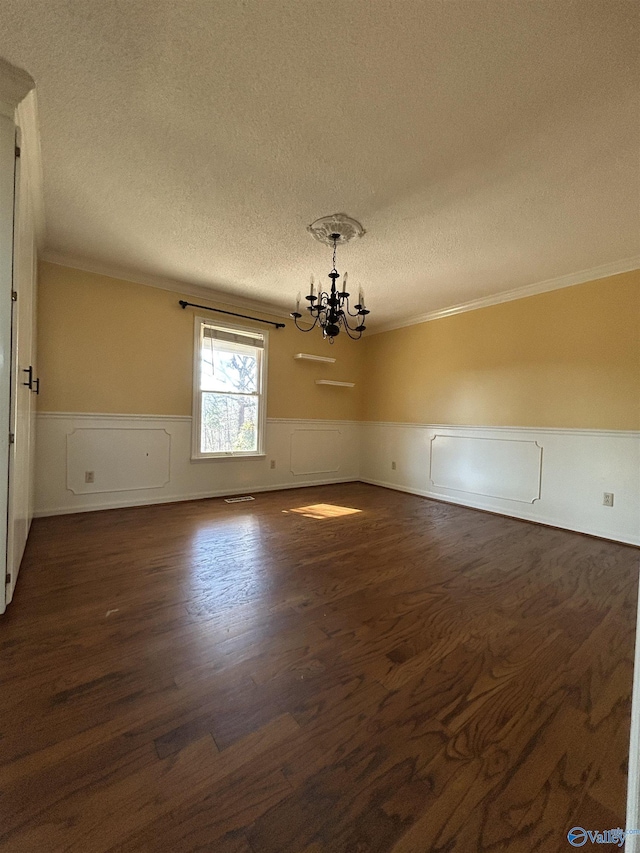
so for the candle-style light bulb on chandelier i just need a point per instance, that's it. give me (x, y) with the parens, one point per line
(330, 309)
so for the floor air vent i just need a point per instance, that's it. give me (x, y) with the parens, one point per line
(239, 499)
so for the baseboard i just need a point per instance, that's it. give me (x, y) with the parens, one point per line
(546, 522)
(195, 496)
(165, 499)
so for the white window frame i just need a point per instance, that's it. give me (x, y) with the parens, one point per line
(196, 414)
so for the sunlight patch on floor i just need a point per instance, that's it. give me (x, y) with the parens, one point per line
(324, 511)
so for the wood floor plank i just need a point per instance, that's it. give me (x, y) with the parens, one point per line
(413, 676)
(137, 799)
(213, 819)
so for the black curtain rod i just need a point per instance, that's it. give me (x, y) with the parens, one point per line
(231, 314)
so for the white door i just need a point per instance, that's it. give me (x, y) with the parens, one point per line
(7, 166)
(24, 381)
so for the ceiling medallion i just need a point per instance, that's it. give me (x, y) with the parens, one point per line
(344, 226)
(330, 309)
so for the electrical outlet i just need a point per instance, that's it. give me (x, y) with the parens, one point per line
(607, 499)
(272, 464)
(393, 466)
(89, 477)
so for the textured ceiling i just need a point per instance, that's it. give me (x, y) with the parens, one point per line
(484, 145)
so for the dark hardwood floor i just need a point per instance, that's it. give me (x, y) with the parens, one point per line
(258, 678)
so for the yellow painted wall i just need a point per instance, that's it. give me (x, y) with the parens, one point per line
(112, 346)
(568, 358)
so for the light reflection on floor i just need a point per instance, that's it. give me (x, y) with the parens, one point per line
(227, 566)
(324, 511)
(230, 568)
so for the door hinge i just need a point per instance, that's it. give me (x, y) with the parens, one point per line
(7, 579)
(12, 438)
(17, 151)
(14, 295)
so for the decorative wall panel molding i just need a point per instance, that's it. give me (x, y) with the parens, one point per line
(315, 451)
(577, 467)
(118, 459)
(108, 417)
(187, 479)
(510, 469)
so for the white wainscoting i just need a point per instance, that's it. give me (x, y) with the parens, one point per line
(554, 476)
(573, 468)
(144, 459)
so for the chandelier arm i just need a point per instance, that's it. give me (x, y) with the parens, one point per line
(346, 302)
(346, 324)
(311, 328)
(357, 313)
(348, 330)
(320, 310)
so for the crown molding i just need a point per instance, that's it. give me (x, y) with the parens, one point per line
(569, 280)
(180, 287)
(15, 84)
(27, 121)
(222, 298)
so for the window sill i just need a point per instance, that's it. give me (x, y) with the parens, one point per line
(216, 457)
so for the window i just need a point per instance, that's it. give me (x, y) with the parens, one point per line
(229, 401)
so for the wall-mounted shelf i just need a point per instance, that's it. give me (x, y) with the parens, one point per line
(333, 382)
(307, 357)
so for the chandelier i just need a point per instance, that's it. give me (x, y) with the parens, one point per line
(330, 309)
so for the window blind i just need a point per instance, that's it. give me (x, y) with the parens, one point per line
(234, 336)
